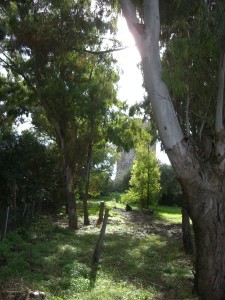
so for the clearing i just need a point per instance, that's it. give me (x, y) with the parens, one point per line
(142, 257)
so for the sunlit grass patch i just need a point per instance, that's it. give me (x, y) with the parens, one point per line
(106, 288)
(170, 214)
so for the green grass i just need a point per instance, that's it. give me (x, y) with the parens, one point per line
(134, 264)
(171, 214)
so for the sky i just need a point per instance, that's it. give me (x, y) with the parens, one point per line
(130, 84)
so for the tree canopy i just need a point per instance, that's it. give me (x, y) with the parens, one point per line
(53, 53)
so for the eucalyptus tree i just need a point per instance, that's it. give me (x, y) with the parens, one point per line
(48, 44)
(200, 169)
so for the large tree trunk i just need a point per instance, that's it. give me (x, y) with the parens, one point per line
(201, 181)
(208, 218)
(203, 186)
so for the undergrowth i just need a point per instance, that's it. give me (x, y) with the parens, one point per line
(138, 262)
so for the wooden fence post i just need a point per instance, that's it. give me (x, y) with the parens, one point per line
(98, 250)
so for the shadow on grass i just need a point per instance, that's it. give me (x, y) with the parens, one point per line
(54, 259)
(152, 260)
(58, 260)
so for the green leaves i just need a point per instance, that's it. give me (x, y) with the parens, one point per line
(190, 63)
(28, 166)
(145, 175)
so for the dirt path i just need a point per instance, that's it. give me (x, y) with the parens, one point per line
(141, 223)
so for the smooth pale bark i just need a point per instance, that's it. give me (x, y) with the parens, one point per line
(202, 180)
(148, 44)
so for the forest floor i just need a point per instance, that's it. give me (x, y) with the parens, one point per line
(142, 257)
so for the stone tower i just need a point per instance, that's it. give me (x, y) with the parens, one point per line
(124, 163)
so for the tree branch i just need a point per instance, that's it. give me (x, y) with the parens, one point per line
(137, 29)
(147, 42)
(14, 67)
(101, 52)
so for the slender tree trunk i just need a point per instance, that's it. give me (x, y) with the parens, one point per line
(86, 214)
(186, 230)
(101, 212)
(72, 212)
(87, 181)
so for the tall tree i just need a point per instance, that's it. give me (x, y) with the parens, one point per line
(201, 176)
(48, 45)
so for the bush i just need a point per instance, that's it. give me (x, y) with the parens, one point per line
(131, 197)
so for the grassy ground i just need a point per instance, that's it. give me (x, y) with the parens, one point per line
(142, 257)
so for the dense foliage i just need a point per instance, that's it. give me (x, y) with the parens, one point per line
(50, 49)
(29, 172)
